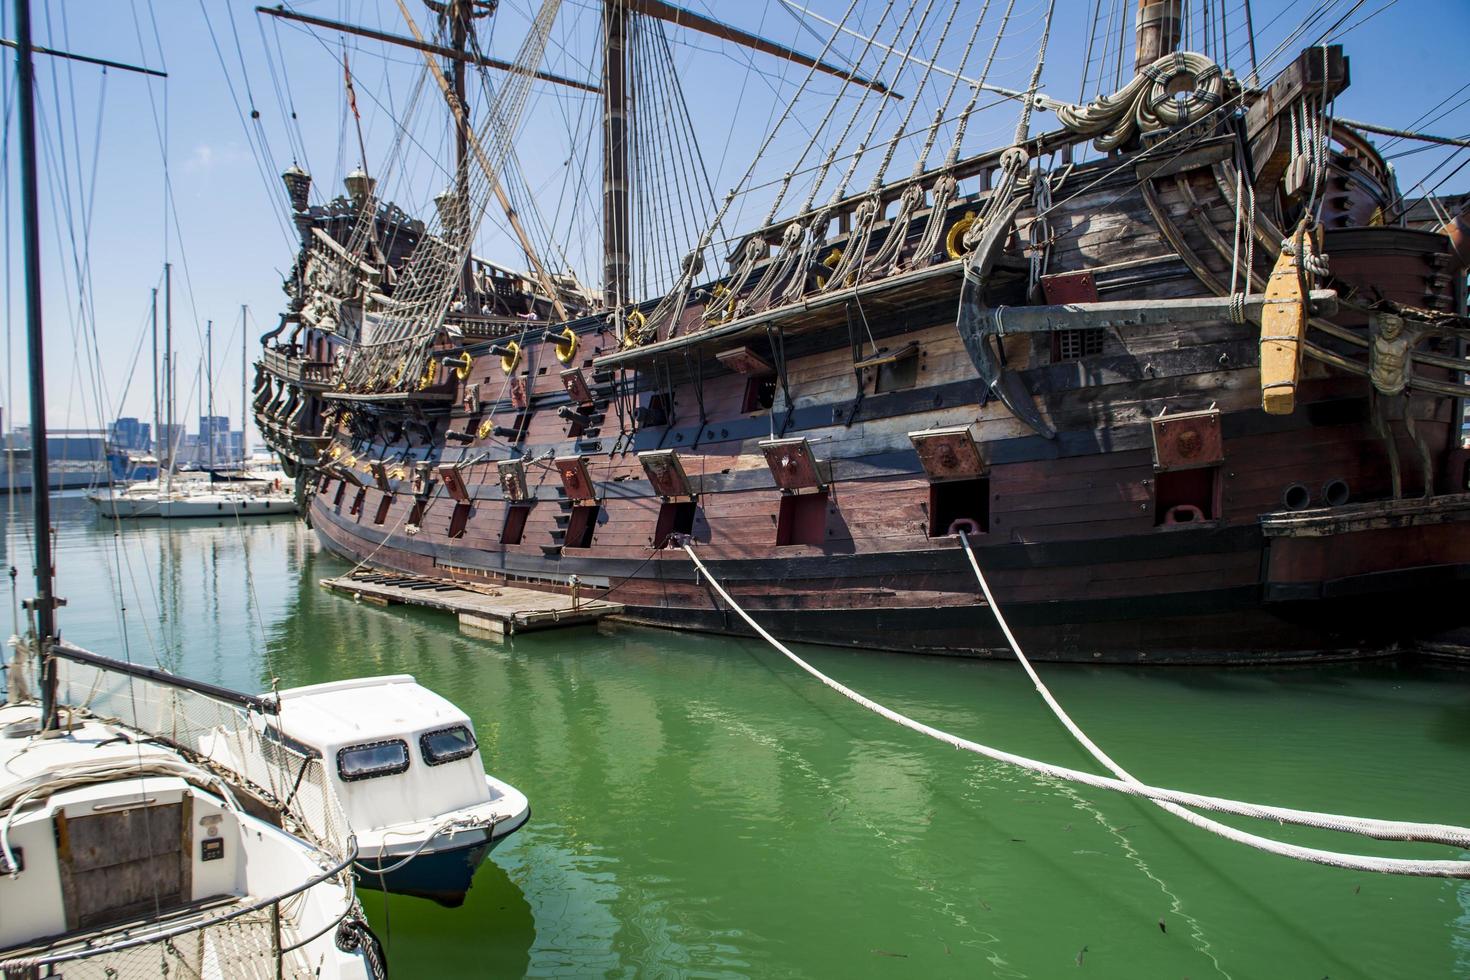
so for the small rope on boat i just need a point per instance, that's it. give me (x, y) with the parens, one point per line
(1369, 827)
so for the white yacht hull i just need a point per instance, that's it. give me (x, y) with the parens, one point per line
(193, 505)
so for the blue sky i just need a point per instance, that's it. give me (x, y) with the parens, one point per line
(108, 135)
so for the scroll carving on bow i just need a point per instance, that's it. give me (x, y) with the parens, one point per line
(1150, 102)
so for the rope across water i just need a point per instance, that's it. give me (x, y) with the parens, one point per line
(1365, 826)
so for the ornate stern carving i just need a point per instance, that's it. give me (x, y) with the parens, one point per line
(1148, 102)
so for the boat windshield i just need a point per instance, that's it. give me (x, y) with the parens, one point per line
(447, 744)
(372, 759)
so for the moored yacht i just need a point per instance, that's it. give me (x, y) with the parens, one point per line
(150, 500)
(406, 767)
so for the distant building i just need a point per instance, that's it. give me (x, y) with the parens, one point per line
(170, 438)
(129, 433)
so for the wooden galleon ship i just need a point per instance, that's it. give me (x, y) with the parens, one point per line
(1180, 369)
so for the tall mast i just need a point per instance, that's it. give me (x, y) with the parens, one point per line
(168, 366)
(44, 604)
(244, 411)
(615, 244)
(1158, 27)
(154, 320)
(459, 29)
(209, 382)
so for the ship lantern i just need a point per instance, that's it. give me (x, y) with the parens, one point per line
(298, 186)
(359, 186)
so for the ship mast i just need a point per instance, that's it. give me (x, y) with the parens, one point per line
(459, 13)
(616, 91)
(615, 244)
(1158, 31)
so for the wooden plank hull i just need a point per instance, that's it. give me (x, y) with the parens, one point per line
(1098, 547)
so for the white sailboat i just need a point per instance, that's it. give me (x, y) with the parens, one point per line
(120, 856)
(258, 494)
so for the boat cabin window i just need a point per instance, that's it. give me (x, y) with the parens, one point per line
(383, 505)
(372, 759)
(802, 519)
(447, 744)
(1186, 496)
(959, 505)
(515, 524)
(341, 491)
(674, 517)
(356, 507)
(760, 394)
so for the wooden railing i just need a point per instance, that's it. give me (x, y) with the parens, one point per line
(287, 364)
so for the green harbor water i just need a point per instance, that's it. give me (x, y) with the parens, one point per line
(700, 808)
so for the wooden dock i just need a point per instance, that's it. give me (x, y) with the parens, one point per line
(499, 610)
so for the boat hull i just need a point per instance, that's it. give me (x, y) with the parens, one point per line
(1226, 615)
(195, 508)
(442, 874)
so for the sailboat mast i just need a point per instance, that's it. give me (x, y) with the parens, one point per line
(44, 604)
(244, 412)
(615, 245)
(154, 322)
(209, 382)
(168, 363)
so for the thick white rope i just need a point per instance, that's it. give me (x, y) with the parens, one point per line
(1380, 829)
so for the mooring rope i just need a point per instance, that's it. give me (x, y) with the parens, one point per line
(1365, 826)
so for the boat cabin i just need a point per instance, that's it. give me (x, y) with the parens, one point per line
(394, 751)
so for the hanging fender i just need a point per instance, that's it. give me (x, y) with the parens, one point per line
(980, 329)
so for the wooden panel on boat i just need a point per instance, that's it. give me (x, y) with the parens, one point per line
(512, 477)
(575, 383)
(115, 866)
(949, 453)
(666, 472)
(1187, 440)
(792, 463)
(453, 481)
(575, 478)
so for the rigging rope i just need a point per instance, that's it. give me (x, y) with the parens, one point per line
(1369, 827)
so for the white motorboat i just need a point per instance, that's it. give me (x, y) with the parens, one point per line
(119, 857)
(406, 767)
